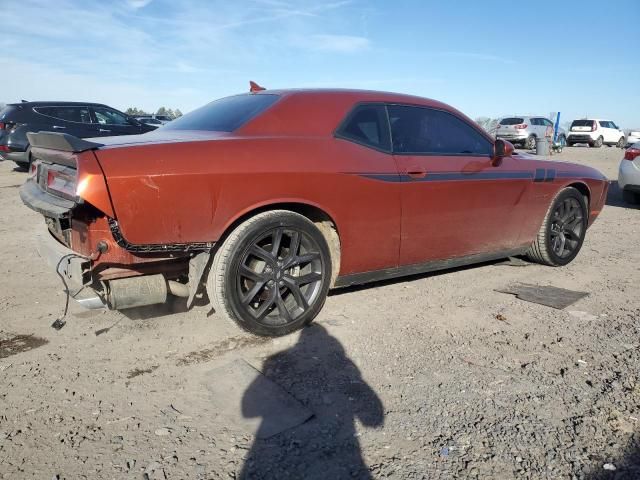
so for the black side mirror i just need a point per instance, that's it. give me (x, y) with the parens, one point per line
(499, 149)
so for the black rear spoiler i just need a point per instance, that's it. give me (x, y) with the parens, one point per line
(60, 141)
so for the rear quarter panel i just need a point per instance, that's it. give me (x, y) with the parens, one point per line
(193, 192)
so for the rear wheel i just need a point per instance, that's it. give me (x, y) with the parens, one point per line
(530, 144)
(563, 229)
(597, 143)
(272, 273)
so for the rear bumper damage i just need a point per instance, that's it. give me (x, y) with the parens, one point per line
(73, 269)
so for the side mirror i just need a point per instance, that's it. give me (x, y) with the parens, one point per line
(501, 149)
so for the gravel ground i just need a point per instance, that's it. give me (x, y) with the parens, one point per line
(435, 376)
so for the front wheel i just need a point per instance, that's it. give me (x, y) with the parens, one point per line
(563, 230)
(272, 273)
(620, 143)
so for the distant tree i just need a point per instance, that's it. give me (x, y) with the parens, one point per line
(161, 111)
(170, 113)
(488, 124)
(177, 113)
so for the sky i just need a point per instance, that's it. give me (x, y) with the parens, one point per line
(486, 58)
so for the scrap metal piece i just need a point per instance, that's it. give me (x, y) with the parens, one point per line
(249, 400)
(549, 296)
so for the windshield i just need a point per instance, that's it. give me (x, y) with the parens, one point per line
(224, 115)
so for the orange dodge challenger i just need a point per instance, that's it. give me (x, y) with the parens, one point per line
(271, 198)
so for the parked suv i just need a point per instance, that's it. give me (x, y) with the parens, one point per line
(596, 133)
(524, 130)
(77, 119)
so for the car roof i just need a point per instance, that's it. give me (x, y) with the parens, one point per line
(50, 103)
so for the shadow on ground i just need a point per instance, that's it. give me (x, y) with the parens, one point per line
(627, 467)
(320, 375)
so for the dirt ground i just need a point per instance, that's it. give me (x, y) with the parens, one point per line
(435, 376)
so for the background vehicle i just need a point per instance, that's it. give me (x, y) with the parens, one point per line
(78, 119)
(287, 193)
(595, 133)
(633, 136)
(156, 119)
(629, 174)
(150, 121)
(524, 130)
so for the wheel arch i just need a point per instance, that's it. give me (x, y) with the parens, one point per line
(584, 189)
(323, 220)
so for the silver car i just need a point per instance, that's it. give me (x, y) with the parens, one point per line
(524, 130)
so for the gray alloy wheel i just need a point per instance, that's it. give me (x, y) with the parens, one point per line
(620, 143)
(271, 275)
(563, 230)
(598, 142)
(531, 142)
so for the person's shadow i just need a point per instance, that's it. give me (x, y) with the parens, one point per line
(319, 374)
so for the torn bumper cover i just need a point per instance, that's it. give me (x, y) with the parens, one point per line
(74, 269)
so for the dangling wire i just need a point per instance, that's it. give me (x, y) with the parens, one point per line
(60, 321)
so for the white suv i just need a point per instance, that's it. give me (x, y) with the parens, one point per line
(596, 133)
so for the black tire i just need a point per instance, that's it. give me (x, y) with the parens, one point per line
(256, 278)
(530, 144)
(569, 144)
(25, 167)
(563, 229)
(630, 197)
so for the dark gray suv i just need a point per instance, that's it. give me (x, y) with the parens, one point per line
(78, 119)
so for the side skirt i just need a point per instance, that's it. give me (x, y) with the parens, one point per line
(387, 273)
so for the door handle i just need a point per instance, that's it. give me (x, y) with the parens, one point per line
(57, 127)
(417, 174)
(103, 130)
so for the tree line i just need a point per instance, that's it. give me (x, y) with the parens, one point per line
(137, 112)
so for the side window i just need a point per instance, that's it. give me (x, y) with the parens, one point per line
(423, 130)
(67, 114)
(367, 125)
(106, 116)
(547, 122)
(535, 122)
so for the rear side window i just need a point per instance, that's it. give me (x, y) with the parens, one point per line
(512, 121)
(367, 125)
(582, 123)
(67, 114)
(224, 115)
(107, 116)
(420, 130)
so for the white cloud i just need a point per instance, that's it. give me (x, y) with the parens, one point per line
(138, 3)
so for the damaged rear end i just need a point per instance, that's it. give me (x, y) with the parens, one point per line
(81, 238)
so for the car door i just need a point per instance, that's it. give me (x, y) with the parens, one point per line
(456, 200)
(537, 127)
(111, 122)
(71, 119)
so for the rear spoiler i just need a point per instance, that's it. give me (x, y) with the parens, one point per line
(60, 141)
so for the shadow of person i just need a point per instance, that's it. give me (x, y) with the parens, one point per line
(319, 374)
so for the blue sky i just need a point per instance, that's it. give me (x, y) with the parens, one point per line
(485, 58)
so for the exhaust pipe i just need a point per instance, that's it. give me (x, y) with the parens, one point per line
(141, 291)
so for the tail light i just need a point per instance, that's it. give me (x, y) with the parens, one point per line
(521, 126)
(2, 125)
(4, 148)
(594, 126)
(632, 154)
(7, 125)
(62, 184)
(33, 171)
